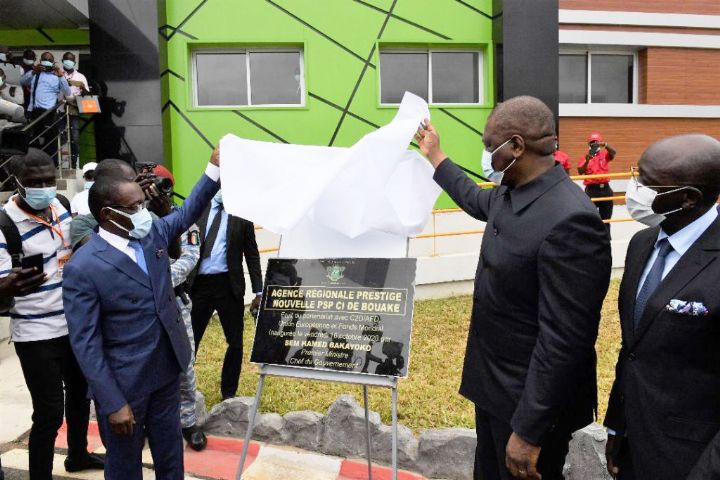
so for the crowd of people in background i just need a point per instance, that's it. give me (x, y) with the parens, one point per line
(44, 89)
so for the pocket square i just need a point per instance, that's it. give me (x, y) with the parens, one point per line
(683, 307)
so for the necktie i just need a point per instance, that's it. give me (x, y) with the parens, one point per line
(139, 255)
(212, 232)
(653, 279)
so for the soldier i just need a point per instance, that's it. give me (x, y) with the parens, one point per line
(179, 270)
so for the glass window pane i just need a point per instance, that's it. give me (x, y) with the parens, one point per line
(612, 78)
(573, 78)
(221, 79)
(400, 72)
(455, 77)
(275, 78)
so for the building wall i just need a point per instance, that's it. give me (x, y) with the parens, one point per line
(682, 76)
(630, 136)
(699, 7)
(338, 38)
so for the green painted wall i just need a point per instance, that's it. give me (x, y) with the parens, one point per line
(50, 38)
(328, 31)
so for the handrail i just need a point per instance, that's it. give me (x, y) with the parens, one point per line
(576, 177)
(37, 120)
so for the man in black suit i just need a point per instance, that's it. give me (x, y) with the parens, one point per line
(542, 276)
(219, 284)
(663, 417)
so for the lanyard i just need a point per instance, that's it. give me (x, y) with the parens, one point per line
(54, 228)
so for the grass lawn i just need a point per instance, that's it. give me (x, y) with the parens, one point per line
(428, 398)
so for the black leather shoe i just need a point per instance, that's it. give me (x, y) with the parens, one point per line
(87, 462)
(195, 438)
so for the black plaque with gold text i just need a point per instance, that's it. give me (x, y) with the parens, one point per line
(342, 314)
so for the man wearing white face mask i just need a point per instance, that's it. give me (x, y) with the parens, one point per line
(124, 323)
(38, 324)
(78, 87)
(543, 272)
(663, 418)
(79, 204)
(46, 82)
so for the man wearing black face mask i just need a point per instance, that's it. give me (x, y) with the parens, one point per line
(542, 276)
(663, 418)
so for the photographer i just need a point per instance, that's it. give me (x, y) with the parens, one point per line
(46, 81)
(597, 162)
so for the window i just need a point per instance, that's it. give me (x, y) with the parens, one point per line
(440, 77)
(229, 78)
(590, 77)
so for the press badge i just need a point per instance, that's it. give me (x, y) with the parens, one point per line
(63, 256)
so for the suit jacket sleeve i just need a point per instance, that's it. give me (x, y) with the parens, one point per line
(574, 274)
(252, 256)
(475, 201)
(82, 312)
(180, 219)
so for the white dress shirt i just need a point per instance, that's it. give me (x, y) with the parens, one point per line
(681, 242)
(120, 243)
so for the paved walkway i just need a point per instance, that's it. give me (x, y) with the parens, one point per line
(218, 461)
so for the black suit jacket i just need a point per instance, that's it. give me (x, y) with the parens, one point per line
(666, 395)
(240, 242)
(543, 273)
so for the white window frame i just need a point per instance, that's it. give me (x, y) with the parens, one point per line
(589, 53)
(248, 52)
(429, 52)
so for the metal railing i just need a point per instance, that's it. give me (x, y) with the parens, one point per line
(59, 131)
(435, 234)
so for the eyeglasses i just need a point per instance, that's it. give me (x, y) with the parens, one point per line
(635, 173)
(131, 210)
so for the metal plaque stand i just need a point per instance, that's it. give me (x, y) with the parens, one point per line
(339, 377)
(366, 380)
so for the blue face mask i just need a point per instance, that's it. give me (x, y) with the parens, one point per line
(218, 197)
(68, 64)
(141, 220)
(38, 198)
(47, 63)
(488, 170)
(88, 184)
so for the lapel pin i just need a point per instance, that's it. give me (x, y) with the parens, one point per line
(159, 253)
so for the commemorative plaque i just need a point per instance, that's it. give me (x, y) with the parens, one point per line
(342, 315)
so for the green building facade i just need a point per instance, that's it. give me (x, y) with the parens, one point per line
(343, 48)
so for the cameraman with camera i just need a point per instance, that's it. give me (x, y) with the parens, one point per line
(46, 81)
(597, 162)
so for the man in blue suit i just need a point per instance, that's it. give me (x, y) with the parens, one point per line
(125, 327)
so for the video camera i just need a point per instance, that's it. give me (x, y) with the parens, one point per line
(164, 185)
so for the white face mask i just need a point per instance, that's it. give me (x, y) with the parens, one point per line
(639, 200)
(3, 57)
(488, 170)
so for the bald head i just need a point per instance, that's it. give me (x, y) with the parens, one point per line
(526, 116)
(692, 159)
(114, 168)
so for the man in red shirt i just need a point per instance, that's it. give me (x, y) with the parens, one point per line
(596, 162)
(561, 157)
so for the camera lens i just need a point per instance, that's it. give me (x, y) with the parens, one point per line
(164, 185)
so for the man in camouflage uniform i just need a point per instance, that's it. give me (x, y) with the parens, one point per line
(179, 270)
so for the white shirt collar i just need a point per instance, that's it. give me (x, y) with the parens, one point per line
(121, 243)
(682, 240)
